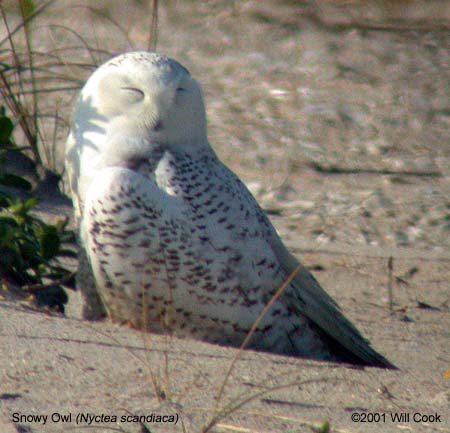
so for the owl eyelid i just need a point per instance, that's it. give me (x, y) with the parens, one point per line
(134, 89)
(181, 89)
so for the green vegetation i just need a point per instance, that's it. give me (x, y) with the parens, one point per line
(324, 428)
(30, 248)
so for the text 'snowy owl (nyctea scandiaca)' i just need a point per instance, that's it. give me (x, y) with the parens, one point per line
(175, 240)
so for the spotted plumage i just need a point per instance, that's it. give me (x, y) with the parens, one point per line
(175, 240)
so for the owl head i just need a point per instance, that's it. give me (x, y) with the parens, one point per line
(147, 96)
(131, 106)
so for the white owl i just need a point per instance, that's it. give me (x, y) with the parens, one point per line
(175, 240)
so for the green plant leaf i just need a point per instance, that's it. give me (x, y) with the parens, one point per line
(20, 209)
(324, 428)
(28, 7)
(29, 252)
(8, 221)
(17, 209)
(6, 129)
(5, 201)
(7, 260)
(8, 231)
(49, 241)
(11, 180)
(31, 203)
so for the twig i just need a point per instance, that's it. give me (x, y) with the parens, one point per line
(153, 34)
(390, 281)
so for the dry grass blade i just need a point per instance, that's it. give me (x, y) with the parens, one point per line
(153, 35)
(156, 383)
(27, 118)
(30, 58)
(243, 399)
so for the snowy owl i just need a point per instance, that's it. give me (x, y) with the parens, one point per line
(176, 242)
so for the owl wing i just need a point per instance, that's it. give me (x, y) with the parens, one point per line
(306, 297)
